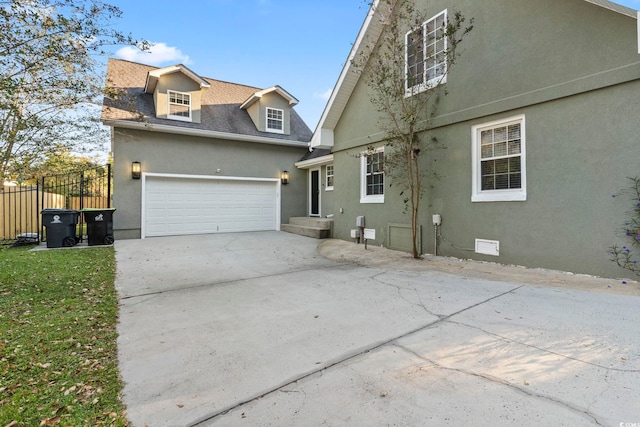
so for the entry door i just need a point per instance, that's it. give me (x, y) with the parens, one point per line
(314, 191)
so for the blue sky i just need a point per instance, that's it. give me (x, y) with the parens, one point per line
(300, 45)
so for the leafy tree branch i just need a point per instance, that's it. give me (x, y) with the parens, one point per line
(49, 76)
(406, 70)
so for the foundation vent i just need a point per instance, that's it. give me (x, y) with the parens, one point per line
(488, 247)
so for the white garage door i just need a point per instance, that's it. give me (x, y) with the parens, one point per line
(182, 205)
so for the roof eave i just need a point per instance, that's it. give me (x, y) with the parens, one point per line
(632, 13)
(154, 76)
(318, 161)
(256, 96)
(371, 29)
(128, 124)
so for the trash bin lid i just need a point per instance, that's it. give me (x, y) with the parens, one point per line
(97, 209)
(59, 211)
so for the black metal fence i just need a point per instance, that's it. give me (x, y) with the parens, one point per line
(20, 206)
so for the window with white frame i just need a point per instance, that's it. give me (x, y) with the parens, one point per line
(275, 120)
(329, 176)
(425, 52)
(179, 105)
(499, 163)
(372, 176)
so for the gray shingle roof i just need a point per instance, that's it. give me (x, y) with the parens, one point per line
(315, 154)
(220, 104)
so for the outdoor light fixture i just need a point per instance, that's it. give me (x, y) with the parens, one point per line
(284, 177)
(136, 170)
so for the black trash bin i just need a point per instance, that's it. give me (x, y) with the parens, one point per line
(61, 227)
(99, 226)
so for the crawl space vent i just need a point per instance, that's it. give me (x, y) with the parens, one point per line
(488, 247)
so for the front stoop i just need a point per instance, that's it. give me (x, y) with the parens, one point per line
(318, 228)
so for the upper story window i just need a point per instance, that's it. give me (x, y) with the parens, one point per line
(275, 120)
(329, 175)
(426, 59)
(179, 106)
(372, 177)
(499, 172)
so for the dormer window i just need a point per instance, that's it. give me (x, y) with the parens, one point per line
(275, 120)
(179, 106)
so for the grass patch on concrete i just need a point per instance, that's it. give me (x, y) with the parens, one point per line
(58, 355)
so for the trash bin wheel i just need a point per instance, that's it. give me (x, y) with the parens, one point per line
(108, 239)
(68, 242)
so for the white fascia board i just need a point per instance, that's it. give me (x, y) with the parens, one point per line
(283, 93)
(348, 75)
(320, 161)
(125, 124)
(154, 75)
(638, 18)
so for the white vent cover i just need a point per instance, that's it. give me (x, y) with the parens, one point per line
(488, 247)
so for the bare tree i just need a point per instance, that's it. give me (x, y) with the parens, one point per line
(49, 75)
(406, 68)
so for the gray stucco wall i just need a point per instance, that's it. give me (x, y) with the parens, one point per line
(573, 70)
(177, 154)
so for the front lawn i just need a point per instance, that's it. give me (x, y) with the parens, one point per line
(58, 356)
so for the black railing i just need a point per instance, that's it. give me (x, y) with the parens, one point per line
(20, 206)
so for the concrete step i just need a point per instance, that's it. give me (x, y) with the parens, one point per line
(311, 222)
(303, 230)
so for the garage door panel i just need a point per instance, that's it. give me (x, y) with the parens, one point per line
(176, 205)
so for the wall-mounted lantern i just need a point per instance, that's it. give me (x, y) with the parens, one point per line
(284, 177)
(136, 170)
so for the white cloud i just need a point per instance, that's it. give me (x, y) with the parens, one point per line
(158, 54)
(324, 95)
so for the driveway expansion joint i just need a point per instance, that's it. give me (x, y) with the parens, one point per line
(347, 358)
(229, 282)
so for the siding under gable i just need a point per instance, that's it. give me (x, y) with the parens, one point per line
(180, 83)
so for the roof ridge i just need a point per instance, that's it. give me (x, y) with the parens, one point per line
(205, 78)
(231, 83)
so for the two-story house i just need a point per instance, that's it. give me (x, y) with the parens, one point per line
(194, 155)
(540, 123)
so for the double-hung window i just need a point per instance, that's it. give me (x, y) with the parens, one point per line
(275, 120)
(426, 55)
(372, 176)
(179, 106)
(329, 175)
(499, 166)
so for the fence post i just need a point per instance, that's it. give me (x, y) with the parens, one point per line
(42, 222)
(109, 185)
(38, 216)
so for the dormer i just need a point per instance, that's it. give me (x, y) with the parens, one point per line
(177, 93)
(270, 110)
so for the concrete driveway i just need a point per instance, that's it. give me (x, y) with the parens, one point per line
(258, 329)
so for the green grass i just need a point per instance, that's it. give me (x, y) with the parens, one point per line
(58, 355)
